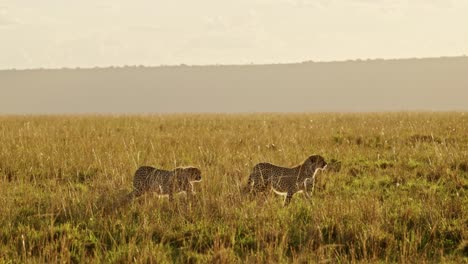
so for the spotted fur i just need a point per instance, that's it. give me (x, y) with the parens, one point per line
(285, 181)
(164, 182)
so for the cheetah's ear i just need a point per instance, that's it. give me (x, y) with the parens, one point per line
(318, 161)
(194, 170)
(316, 158)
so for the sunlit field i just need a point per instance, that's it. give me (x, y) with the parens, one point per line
(396, 190)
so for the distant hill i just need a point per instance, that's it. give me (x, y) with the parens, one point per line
(438, 84)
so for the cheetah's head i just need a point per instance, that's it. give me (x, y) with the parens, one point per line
(193, 174)
(315, 162)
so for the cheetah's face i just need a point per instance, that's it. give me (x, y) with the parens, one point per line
(194, 174)
(318, 162)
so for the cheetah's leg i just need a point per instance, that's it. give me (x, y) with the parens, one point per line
(191, 189)
(306, 190)
(261, 186)
(288, 198)
(171, 197)
(313, 183)
(190, 192)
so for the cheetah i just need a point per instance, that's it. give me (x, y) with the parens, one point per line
(164, 182)
(286, 181)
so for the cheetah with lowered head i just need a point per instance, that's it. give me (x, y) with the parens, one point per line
(164, 182)
(286, 181)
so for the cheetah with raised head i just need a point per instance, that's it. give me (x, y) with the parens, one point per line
(286, 181)
(164, 182)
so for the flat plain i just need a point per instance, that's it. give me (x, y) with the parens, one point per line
(397, 190)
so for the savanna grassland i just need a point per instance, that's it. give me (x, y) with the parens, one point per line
(396, 190)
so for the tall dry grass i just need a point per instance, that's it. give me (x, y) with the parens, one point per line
(399, 195)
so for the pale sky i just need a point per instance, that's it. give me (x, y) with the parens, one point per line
(88, 33)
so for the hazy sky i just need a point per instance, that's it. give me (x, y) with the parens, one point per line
(86, 33)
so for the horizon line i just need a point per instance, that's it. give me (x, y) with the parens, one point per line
(218, 113)
(234, 64)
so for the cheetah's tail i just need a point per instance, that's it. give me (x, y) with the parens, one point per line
(129, 196)
(124, 200)
(111, 203)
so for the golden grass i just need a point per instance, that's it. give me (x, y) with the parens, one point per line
(400, 195)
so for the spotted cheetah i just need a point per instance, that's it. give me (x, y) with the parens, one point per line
(164, 182)
(286, 181)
